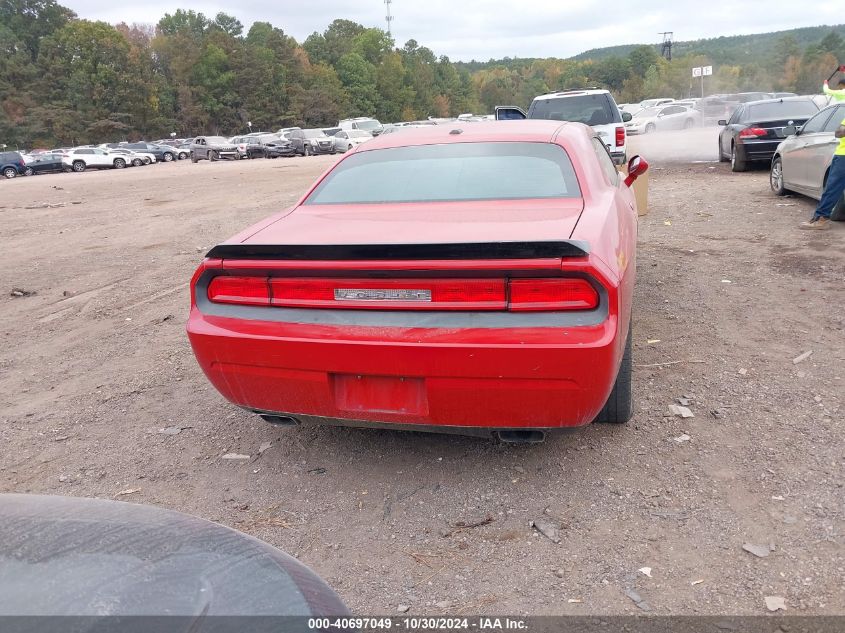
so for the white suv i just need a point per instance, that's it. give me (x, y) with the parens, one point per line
(592, 107)
(365, 123)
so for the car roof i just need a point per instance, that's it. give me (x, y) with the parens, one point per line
(572, 93)
(778, 100)
(527, 131)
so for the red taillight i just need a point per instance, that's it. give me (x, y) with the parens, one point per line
(253, 291)
(519, 295)
(620, 136)
(552, 294)
(753, 132)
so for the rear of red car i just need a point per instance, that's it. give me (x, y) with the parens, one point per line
(515, 336)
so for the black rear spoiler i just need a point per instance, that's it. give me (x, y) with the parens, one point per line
(340, 252)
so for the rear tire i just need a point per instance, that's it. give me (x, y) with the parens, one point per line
(137, 162)
(194, 158)
(737, 163)
(306, 151)
(78, 166)
(619, 407)
(28, 171)
(212, 155)
(168, 157)
(183, 155)
(776, 177)
(10, 172)
(119, 163)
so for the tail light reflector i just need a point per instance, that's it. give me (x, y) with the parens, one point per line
(552, 294)
(753, 132)
(518, 295)
(250, 291)
(620, 136)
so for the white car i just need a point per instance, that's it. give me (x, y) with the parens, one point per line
(134, 158)
(651, 103)
(81, 158)
(346, 140)
(363, 123)
(593, 107)
(662, 118)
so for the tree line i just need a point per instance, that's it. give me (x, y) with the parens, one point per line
(65, 80)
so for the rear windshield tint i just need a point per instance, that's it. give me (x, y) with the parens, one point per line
(592, 109)
(450, 172)
(779, 109)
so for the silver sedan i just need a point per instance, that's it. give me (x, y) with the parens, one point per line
(801, 161)
(345, 140)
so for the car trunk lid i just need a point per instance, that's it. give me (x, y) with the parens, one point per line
(770, 128)
(424, 223)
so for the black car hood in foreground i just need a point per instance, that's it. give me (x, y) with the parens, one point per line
(97, 565)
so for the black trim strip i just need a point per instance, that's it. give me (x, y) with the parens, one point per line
(342, 252)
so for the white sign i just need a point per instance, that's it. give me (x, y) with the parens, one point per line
(707, 71)
(696, 72)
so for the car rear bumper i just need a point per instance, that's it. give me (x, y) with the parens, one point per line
(471, 378)
(619, 156)
(762, 150)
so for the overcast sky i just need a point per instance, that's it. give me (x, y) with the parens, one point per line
(484, 29)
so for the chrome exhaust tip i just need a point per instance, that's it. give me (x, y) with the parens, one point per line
(279, 420)
(521, 437)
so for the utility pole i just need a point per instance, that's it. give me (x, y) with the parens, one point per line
(388, 17)
(666, 46)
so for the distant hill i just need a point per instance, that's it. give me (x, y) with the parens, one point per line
(732, 49)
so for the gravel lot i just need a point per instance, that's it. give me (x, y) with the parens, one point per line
(96, 363)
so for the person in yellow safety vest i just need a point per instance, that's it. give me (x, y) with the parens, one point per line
(834, 188)
(838, 95)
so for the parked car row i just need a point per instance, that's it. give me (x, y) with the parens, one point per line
(76, 159)
(790, 135)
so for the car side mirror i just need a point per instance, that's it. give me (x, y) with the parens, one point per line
(637, 166)
(790, 130)
(722, 122)
(627, 116)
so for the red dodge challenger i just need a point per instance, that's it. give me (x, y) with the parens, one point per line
(474, 278)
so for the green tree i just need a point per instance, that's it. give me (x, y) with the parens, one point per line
(641, 59)
(228, 24)
(358, 77)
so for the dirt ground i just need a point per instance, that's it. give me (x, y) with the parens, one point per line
(729, 292)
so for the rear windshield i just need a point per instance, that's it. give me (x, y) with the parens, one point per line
(592, 109)
(778, 109)
(450, 172)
